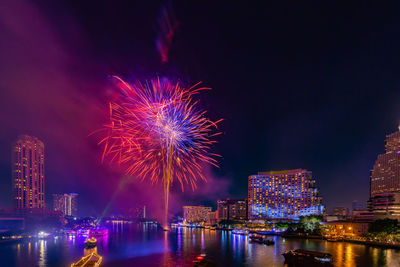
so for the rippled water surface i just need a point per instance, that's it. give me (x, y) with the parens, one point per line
(135, 245)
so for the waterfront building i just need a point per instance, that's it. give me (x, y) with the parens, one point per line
(286, 194)
(232, 209)
(385, 205)
(66, 203)
(340, 211)
(212, 218)
(384, 199)
(28, 173)
(345, 228)
(196, 214)
(363, 216)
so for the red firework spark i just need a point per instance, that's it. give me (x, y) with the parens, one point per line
(155, 120)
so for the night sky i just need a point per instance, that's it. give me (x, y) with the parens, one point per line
(311, 85)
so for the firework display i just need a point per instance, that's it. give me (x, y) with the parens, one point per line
(156, 132)
(168, 26)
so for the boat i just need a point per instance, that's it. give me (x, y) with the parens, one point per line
(202, 261)
(90, 243)
(91, 260)
(332, 239)
(70, 232)
(43, 235)
(302, 257)
(98, 231)
(240, 232)
(83, 232)
(261, 239)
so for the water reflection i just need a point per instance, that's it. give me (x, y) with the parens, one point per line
(136, 245)
(339, 253)
(42, 251)
(349, 256)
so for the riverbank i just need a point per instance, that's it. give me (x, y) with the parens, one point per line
(140, 246)
(385, 245)
(372, 243)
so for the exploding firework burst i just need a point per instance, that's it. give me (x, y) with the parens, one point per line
(157, 133)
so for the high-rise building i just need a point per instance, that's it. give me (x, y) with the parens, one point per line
(195, 214)
(28, 173)
(286, 194)
(232, 209)
(212, 218)
(340, 211)
(385, 176)
(138, 212)
(385, 205)
(355, 205)
(385, 180)
(66, 203)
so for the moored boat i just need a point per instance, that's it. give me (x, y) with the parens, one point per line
(302, 257)
(98, 231)
(261, 239)
(240, 232)
(92, 260)
(332, 239)
(90, 243)
(202, 261)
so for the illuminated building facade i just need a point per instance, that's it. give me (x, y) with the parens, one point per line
(345, 228)
(66, 203)
(385, 176)
(28, 173)
(196, 214)
(286, 194)
(212, 218)
(385, 205)
(232, 209)
(384, 199)
(340, 211)
(362, 216)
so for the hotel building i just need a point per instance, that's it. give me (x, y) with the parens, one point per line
(196, 214)
(232, 209)
(286, 194)
(385, 180)
(28, 173)
(66, 203)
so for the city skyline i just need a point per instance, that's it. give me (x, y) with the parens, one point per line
(199, 133)
(328, 118)
(391, 146)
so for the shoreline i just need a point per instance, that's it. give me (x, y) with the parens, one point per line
(354, 241)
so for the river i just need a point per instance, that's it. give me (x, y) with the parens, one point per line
(138, 245)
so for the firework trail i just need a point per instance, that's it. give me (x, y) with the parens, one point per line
(157, 133)
(168, 26)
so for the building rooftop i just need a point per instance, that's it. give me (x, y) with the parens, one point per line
(282, 172)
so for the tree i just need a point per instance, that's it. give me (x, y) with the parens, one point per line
(310, 223)
(227, 223)
(387, 225)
